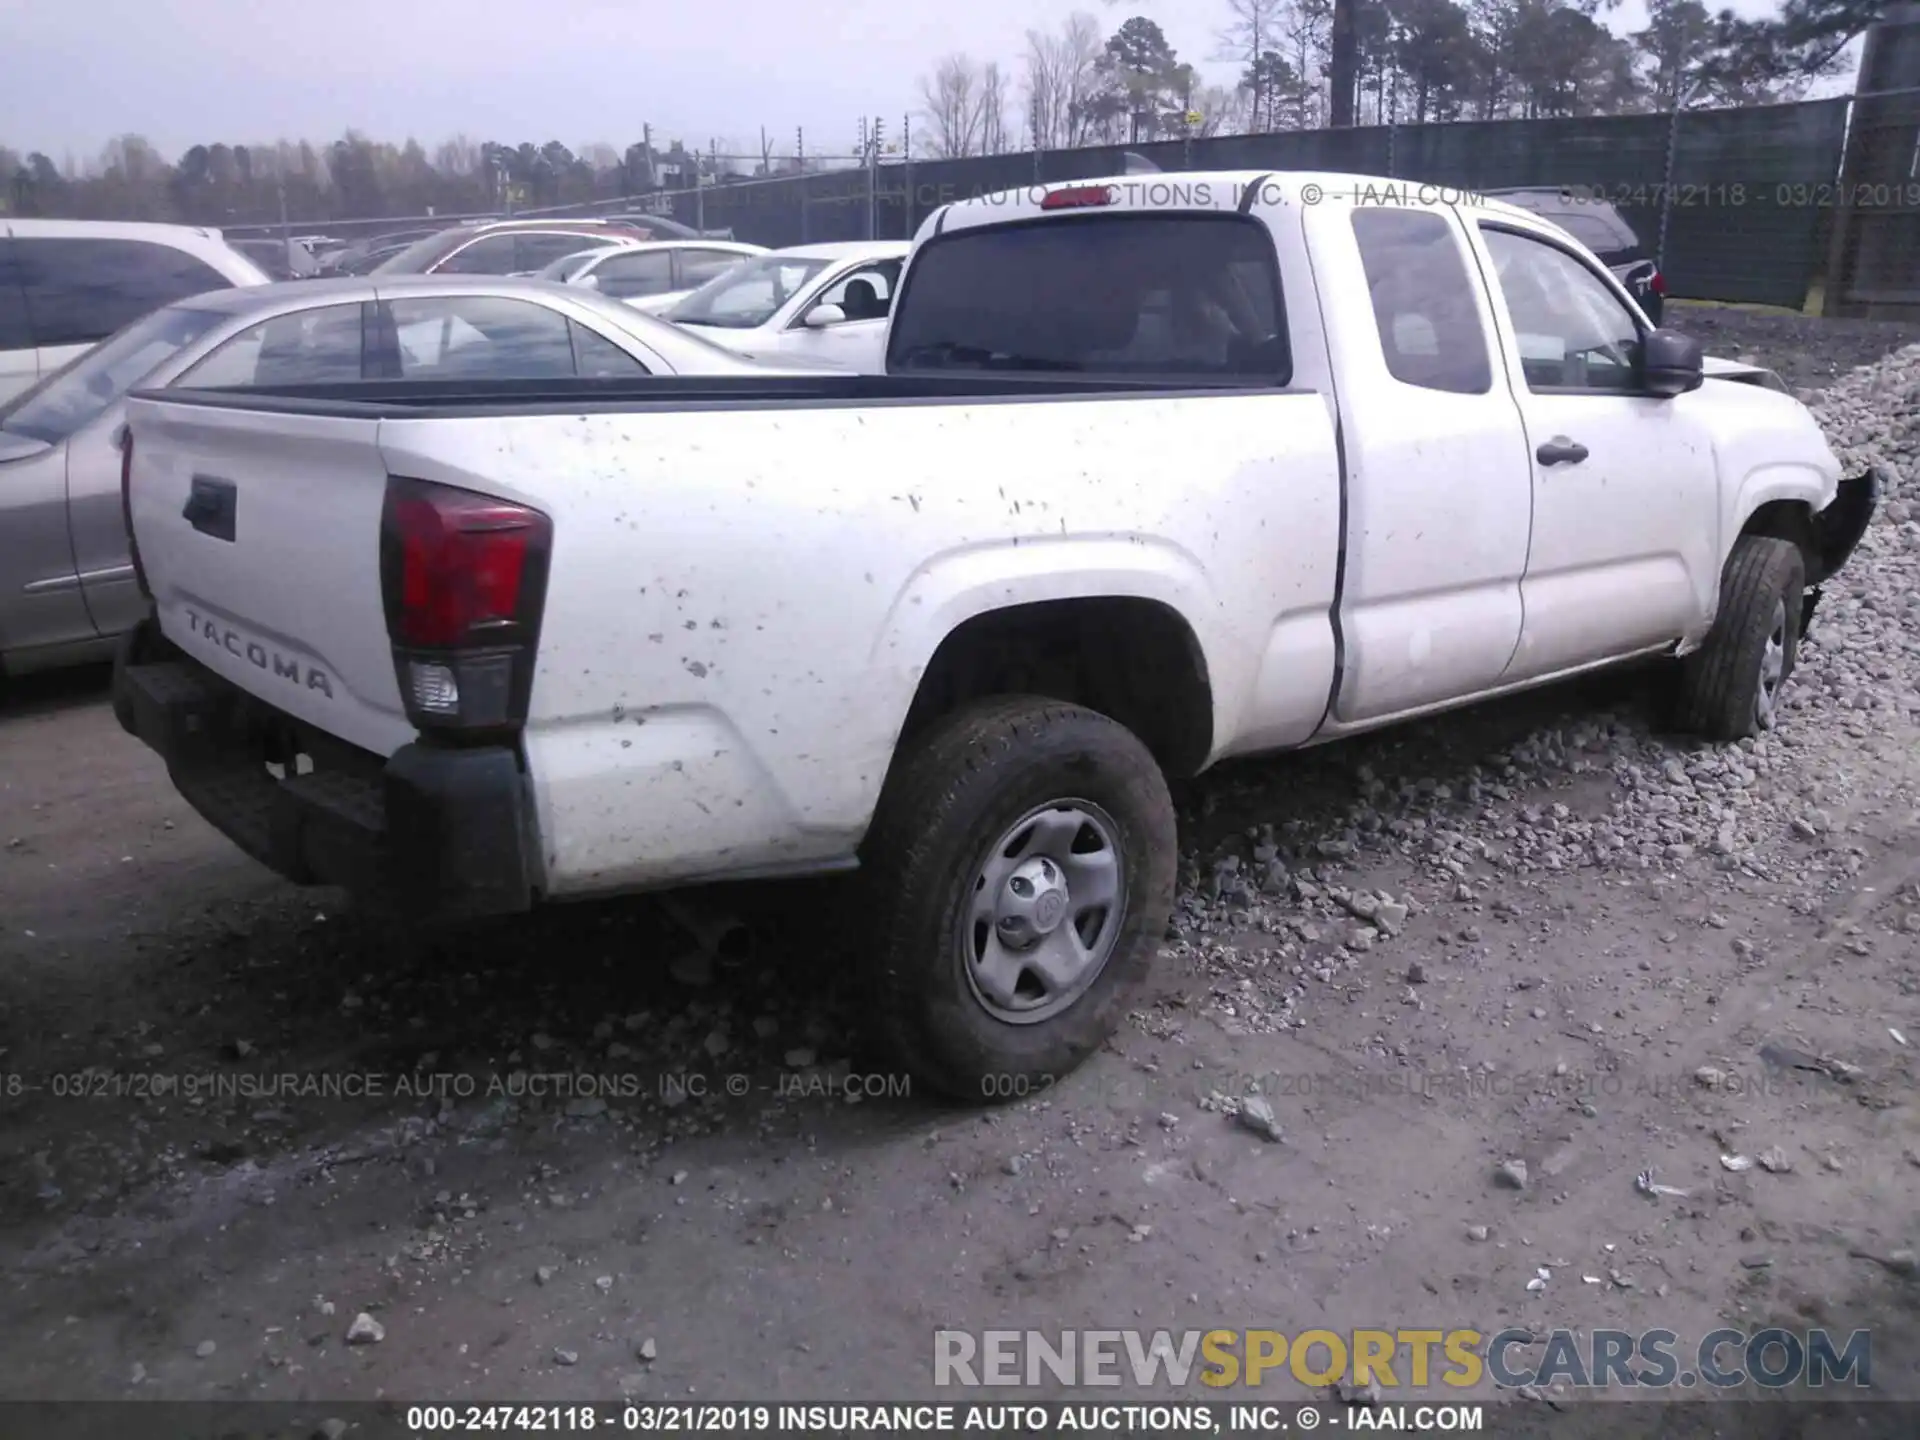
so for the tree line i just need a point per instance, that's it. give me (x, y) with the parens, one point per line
(1297, 64)
(1309, 64)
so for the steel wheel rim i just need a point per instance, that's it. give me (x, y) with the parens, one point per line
(1042, 918)
(1773, 668)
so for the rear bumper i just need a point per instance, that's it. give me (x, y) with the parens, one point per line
(432, 832)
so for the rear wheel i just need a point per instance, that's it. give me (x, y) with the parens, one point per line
(1730, 687)
(1021, 868)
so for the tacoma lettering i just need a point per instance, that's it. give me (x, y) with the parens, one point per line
(284, 667)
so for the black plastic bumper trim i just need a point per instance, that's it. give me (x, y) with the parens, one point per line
(434, 833)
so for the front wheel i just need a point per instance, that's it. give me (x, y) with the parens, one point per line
(1021, 868)
(1730, 687)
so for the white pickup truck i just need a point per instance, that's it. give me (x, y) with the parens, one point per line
(1163, 471)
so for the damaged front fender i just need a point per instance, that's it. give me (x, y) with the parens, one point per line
(1838, 528)
(1836, 532)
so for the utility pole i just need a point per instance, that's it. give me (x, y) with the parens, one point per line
(906, 160)
(873, 183)
(800, 161)
(1033, 127)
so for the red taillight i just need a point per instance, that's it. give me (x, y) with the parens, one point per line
(126, 511)
(1077, 197)
(1658, 284)
(462, 561)
(464, 580)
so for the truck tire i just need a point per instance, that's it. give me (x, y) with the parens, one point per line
(1729, 688)
(1021, 871)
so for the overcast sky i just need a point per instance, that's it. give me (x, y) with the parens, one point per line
(78, 72)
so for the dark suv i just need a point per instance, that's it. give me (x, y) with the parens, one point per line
(1604, 231)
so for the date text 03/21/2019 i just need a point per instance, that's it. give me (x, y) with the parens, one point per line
(807, 1419)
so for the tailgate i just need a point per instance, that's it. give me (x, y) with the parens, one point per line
(259, 534)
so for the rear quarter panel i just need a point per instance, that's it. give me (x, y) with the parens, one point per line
(742, 602)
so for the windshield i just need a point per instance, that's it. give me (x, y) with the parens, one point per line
(747, 295)
(82, 389)
(568, 266)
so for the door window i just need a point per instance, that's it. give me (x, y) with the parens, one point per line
(310, 347)
(866, 293)
(629, 276)
(1573, 332)
(82, 290)
(477, 337)
(1423, 301)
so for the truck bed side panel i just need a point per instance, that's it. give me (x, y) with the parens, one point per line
(741, 603)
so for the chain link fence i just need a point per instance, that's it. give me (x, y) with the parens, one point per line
(1736, 204)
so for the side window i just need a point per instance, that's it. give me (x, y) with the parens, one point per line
(627, 277)
(1423, 301)
(699, 266)
(867, 293)
(491, 256)
(15, 333)
(310, 347)
(478, 337)
(82, 290)
(539, 249)
(597, 358)
(1573, 333)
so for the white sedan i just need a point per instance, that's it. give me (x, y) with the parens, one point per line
(821, 303)
(649, 275)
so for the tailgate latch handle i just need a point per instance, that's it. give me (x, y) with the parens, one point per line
(211, 506)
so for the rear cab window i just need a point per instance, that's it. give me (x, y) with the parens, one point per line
(1129, 295)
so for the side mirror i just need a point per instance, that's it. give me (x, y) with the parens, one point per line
(822, 316)
(1670, 364)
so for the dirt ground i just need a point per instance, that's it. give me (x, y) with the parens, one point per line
(1600, 951)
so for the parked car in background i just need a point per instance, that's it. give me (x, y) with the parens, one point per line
(665, 227)
(503, 247)
(650, 275)
(67, 284)
(281, 259)
(1597, 225)
(67, 584)
(363, 254)
(824, 302)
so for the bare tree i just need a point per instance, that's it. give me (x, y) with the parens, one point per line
(993, 109)
(952, 95)
(1061, 77)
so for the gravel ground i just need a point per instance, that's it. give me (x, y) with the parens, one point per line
(234, 1118)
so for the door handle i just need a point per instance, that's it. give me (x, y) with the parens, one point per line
(1561, 451)
(210, 507)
